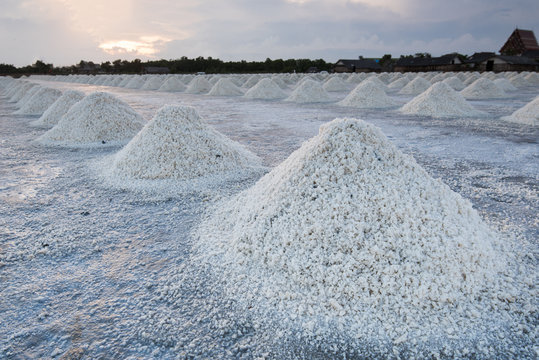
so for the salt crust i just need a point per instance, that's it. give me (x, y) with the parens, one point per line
(59, 108)
(415, 87)
(439, 101)
(199, 85)
(39, 102)
(368, 95)
(483, 89)
(173, 84)
(98, 117)
(505, 85)
(225, 87)
(350, 230)
(265, 89)
(335, 84)
(309, 91)
(528, 114)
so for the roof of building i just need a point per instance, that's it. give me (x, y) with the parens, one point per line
(524, 39)
(480, 57)
(447, 59)
(517, 60)
(359, 64)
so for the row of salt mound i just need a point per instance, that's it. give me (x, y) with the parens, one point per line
(177, 144)
(39, 102)
(519, 81)
(225, 87)
(173, 84)
(265, 89)
(350, 228)
(415, 87)
(17, 87)
(59, 108)
(335, 84)
(528, 114)
(99, 117)
(483, 89)
(368, 95)
(532, 78)
(27, 95)
(309, 91)
(439, 101)
(199, 85)
(505, 85)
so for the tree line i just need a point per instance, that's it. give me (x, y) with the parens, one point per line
(182, 65)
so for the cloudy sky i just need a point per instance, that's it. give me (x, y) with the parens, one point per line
(63, 32)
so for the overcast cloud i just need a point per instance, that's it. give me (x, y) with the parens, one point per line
(64, 32)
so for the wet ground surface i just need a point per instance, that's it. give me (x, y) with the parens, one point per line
(82, 265)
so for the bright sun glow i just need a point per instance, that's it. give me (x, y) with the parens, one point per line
(146, 46)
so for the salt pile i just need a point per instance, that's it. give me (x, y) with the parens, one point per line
(39, 102)
(518, 81)
(471, 78)
(59, 108)
(252, 81)
(27, 95)
(368, 95)
(177, 144)
(198, 85)
(483, 89)
(136, 82)
(440, 100)
(505, 85)
(309, 91)
(173, 84)
(529, 114)
(350, 232)
(153, 83)
(335, 84)
(265, 89)
(532, 78)
(454, 82)
(99, 117)
(416, 86)
(398, 83)
(225, 87)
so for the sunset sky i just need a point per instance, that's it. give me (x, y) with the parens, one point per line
(63, 32)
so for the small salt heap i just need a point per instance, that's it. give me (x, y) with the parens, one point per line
(505, 85)
(265, 89)
(455, 83)
(177, 144)
(225, 87)
(398, 84)
(483, 89)
(153, 83)
(439, 101)
(335, 84)
(99, 117)
(309, 91)
(60, 107)
(199, 85)
(528, 115)
(368, 95)
(173, 84)
(136, 82)
(27, 95)
(39, 102)
(416, 86)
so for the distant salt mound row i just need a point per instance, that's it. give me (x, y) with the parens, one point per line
(415, 87)
(265, 89)
(177, 144)
(39, 102)
(225, 87)
(153, 83)
(519, 81)
(335, 84)
(505, 85)
(368, 95)
(528, 115)
(440, 101)
(483, 89)
(99, 117)
(398, 84)
(59, 108)
(173, 84)
(532, 78)
(455, 83)
(27, 95)
(199, 85)
(350, 229)
(309, 91)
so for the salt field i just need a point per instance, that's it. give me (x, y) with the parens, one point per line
(269, 216)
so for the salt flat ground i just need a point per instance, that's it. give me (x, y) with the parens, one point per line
(83, 265)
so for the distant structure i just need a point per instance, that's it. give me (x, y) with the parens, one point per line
(520, 42)
(448, 62)
(359, 65)
(156, 70)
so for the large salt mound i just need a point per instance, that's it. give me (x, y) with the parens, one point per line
(335, 84)
(199, 85)
(440, 100)
(351, 232)
(39, 102)
(265, 89)
(529, 114)
(177, 144)
(368, 95)
(416, 86)
(225, 87)
(505, 85)
(59, 108)
(309, 91)
(173, 84)
(483, 89)
(153, 83)
(96, 118)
